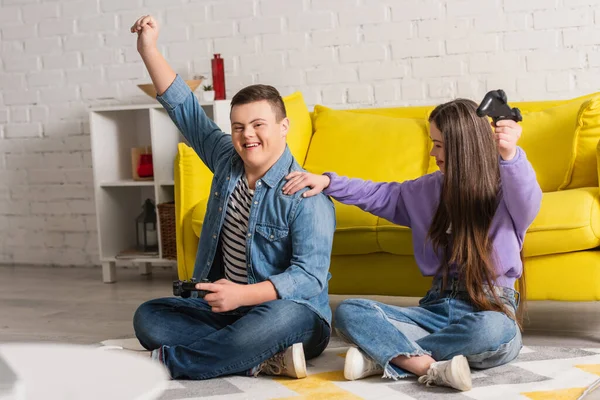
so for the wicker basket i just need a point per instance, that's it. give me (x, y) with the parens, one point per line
(166, 215)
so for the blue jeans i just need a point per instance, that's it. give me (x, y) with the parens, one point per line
(196, 343)
(445, 324)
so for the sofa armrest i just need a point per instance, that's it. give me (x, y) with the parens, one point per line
(192, 184)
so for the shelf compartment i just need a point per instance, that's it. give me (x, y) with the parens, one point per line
(114, 134)
(118, 207)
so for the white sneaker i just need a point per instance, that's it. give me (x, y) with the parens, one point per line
(290, 363)
(358, 365)
(453, 373)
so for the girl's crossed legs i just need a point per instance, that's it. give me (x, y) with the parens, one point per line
(416, 340)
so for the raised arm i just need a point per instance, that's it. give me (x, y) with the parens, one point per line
(521, 191)
(160, 71)
(210, 143)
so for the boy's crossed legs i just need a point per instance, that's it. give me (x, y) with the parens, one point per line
(195, 343)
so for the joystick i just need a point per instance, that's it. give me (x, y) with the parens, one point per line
(494, 105)
(185, 288)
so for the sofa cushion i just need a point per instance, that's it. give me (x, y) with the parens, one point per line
(300, 132)
(584, 172)
(551, 132)
(368, 146)
(569, 220)
(365, 146)
(407, 112)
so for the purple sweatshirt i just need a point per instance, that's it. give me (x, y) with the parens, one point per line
(414, 203)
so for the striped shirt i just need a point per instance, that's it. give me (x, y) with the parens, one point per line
(235, 229)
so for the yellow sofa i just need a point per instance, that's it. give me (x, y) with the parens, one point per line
(373, 256)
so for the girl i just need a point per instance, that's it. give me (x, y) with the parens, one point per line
(468, 222)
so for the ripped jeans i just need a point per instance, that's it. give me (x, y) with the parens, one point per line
(445, 324)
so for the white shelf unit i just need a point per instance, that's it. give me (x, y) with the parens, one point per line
(114, 132)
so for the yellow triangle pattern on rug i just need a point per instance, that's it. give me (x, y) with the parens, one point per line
(590, 368)
(318, 386)
(559, 394)
(565, 394)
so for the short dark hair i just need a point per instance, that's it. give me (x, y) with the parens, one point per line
(259, 92)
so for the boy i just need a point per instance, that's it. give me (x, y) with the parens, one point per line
(267, 253)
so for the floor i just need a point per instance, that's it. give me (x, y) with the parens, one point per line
(72, 305)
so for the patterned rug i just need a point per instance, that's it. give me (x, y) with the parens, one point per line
(539, 373)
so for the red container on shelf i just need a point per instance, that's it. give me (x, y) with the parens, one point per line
(145, 168)
(218, 75)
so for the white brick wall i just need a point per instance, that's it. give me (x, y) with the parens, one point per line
(57, 58)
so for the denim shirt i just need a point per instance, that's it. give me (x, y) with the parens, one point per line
(289, 237)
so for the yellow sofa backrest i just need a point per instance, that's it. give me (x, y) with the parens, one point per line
(559, 137)
(368, 146)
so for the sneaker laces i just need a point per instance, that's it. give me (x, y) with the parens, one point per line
(274, 365)
(433, 377)
(371, 365)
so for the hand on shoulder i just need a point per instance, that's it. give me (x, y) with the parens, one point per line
(299, 180)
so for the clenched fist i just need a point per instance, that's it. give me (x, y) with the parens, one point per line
(146, 28)
(506, 133)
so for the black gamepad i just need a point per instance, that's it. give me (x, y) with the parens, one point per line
(185, 288)
(494, 105)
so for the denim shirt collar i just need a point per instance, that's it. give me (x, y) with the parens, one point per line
(277, 172)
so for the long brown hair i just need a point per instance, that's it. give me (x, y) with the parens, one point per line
(468, 203)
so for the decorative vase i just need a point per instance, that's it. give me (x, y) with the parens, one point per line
(218, 74)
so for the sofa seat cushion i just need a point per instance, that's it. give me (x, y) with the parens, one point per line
(356, 231)
(568, 220)
(394, 239)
